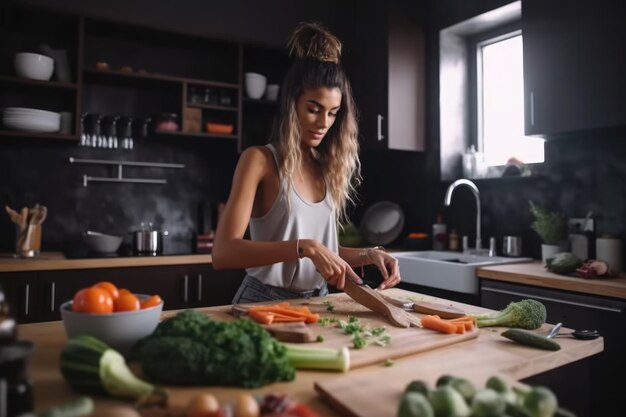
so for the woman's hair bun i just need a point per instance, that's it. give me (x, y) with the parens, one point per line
(313, 41)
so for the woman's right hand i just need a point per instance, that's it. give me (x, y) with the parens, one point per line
(328, 264)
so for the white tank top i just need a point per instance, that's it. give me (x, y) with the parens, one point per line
(301, 220)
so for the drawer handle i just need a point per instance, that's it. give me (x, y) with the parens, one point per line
(185, 288)
(555, 300)
(379, 123)
(199, 287)
(26, 299)
(52, 296)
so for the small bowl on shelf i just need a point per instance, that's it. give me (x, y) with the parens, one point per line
(255, 84)
(219, 128)
(34, 66)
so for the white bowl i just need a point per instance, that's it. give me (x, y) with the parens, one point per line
(34, 66)
(32, 125)
(271, 92)
(102, 243)
(255, 84)
(120, 330)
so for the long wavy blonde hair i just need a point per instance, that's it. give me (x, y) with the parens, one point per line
(316, 54)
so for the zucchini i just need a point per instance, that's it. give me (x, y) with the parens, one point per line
(563, 263)
(91, 366)
(529, 338)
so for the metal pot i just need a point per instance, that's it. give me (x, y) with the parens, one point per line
(148, 241)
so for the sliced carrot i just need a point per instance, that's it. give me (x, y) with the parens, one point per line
(261, 317)
(436, 323)
(309, 317)
(460, 328)
(464, 318)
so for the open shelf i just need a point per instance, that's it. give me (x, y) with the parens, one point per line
(46, 135)
(149, 76)
(212, 107)
(37, 83)
(260, 101)
(197, 135)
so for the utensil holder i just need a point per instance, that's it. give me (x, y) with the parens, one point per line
(28, 241)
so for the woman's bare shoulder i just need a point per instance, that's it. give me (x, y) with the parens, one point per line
(256, 155)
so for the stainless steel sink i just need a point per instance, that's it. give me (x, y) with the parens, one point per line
(452, 271)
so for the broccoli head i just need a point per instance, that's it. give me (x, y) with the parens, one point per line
(525, 314)
(192, 349)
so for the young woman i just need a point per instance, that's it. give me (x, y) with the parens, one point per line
(293, 193)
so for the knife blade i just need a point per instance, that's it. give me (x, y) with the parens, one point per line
(427, 307)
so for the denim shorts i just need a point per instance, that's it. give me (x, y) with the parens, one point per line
(252, 291)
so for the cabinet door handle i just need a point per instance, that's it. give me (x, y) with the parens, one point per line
(199, 287)
(185, 288)
(554, 300)
(52, 296)
(379, 122)
(532, 108)
(26, 299)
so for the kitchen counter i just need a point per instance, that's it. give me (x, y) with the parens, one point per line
(488, 353)
(535, 274)
(50, 261)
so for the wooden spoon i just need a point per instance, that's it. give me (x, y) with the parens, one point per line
(366, 296)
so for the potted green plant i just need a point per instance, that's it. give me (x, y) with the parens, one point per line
(551, 226)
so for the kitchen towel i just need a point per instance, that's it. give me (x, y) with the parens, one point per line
(609, 249)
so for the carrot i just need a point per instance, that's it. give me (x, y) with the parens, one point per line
(462, 319)
(261, 317)
(460, 328)
(309, 317)
(436, 323)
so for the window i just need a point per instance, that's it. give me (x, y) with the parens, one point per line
(499, 94)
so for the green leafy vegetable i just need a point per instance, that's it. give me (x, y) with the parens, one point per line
(525, 314)
(329, 306)
(192, 349)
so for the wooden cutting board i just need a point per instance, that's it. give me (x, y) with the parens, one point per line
(404, 341)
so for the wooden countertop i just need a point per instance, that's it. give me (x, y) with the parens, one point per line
(49, 261)
(535, 274)
(489, 353)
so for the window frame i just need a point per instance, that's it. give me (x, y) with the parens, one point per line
(473, 44)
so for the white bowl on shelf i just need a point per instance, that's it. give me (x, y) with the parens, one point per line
(33, 66)
(33, 120)
(271, 92)
(255, 84)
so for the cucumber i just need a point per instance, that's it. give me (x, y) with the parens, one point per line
(563, 263)
(91, 366)
(529, 338)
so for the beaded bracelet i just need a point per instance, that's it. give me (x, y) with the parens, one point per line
(366, 254)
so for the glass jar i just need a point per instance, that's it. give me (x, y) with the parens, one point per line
(167, 122)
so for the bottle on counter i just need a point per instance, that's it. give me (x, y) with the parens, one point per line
(453, 241)
(440, 234)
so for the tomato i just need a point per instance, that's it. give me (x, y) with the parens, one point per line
(110, 287)
(203, 405)
(152, 301)
(126, 302)
(93, 300)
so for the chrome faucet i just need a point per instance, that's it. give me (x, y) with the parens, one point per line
(448, 199)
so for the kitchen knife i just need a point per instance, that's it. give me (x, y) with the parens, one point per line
(426, 307)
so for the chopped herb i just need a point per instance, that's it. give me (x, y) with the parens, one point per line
(329, 306)
(327, 321)
(383, 340)
(359, 341)
(320, 338)
(388, 362)
(377, 331)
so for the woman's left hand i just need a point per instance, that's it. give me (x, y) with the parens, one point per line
(387, 265)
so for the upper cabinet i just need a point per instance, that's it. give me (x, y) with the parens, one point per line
(388, 80)
(574, 66)
(120, 82)
(31, 81)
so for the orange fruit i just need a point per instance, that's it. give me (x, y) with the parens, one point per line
(126, 302)
(93, 300)
(110, 287)
(123, 291)
(152, 301)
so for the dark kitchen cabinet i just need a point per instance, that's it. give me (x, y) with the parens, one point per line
(597, 396)
(37, 296)
(574, 66)
(388, 80)
(20, 291)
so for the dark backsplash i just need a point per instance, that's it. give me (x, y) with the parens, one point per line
(38, 171)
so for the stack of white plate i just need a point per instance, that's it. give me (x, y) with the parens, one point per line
(33, 120)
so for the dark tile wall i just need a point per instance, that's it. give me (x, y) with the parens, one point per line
(38, 171)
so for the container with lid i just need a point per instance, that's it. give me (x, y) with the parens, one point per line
(167, 122)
